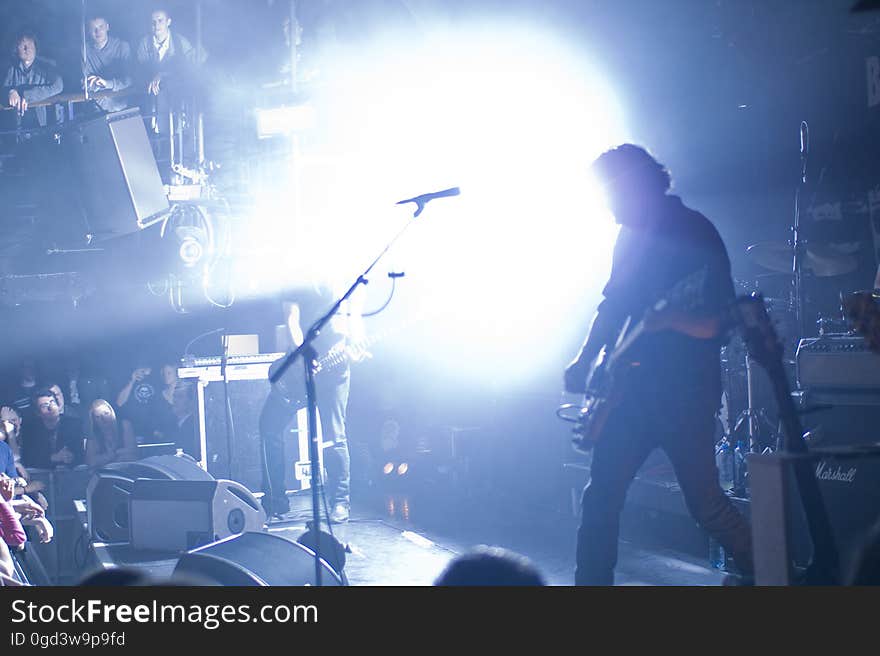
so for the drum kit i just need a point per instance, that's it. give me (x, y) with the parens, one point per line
(746, 388)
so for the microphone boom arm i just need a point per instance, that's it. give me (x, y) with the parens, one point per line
(424, 198)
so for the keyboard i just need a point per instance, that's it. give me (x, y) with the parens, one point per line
(238, 367)
(216, 360)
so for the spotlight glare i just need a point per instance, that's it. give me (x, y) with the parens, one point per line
(388, 468)
(516, 128)
(284, 120)
(402, 469)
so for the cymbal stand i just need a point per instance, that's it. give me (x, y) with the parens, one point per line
(798, 244)
(754, 416)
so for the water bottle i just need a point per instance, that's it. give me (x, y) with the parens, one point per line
(724, 462)
(717, 556)
(739, 465)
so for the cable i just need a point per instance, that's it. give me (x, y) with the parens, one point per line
(158, 293)
(230, 424)
(198, 337)
(394, 277)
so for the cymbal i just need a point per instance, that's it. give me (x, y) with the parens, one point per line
(822, 262)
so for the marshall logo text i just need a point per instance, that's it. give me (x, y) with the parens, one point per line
(826, 473)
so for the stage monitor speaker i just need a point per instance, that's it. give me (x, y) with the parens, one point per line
(170, 515)
(109, 490)
(122, 191)
(262, 559)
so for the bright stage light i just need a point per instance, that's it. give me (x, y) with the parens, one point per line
(510, 115)
(288, 119)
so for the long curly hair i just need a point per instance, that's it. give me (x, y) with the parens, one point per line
(633, 167)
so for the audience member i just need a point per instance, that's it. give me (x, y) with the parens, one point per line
(168, 372)
(105, 442)
(10, 425)
(7, 456)
(30, 80)
(166, 62)
(19, 395)
(143, 411)
(117, 576)
(48, 439)
(489, 566)
(34, 515)
(7, 566)
(84, 385)
(11, 531)
(63, 408)
(108, 64)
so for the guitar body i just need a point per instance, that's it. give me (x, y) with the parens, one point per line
(604, 392)
(292, 385)
(607, 379)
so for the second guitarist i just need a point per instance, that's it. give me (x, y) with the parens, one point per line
(671, 388)
(302, 307)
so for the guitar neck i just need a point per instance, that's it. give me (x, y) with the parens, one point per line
(633, 335)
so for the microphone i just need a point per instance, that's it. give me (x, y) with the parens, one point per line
(424, 198)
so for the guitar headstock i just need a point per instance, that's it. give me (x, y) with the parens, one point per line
(862, 311)
(758, 333)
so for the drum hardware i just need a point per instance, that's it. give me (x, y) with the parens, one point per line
(822, 260)
(753, 416)
(832, 326)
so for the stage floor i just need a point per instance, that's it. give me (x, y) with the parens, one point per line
(399, 540)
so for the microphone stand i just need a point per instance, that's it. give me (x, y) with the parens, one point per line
(308, 353)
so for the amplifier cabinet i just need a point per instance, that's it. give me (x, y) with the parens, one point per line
(234, 451)
(837, 362)
(849, 484)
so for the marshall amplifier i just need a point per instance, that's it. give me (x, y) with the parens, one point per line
(849, 482)
(837, 361)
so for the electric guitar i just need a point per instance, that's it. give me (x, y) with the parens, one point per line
(604, 388)
(292, 386)
(764, 347)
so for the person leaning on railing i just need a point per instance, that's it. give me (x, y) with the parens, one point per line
(30, 80)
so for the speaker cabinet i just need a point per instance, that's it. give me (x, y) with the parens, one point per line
(122, 191)
(169, 515)
(242, 460)
(108, 491)
(849, 484)
(261, 559)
